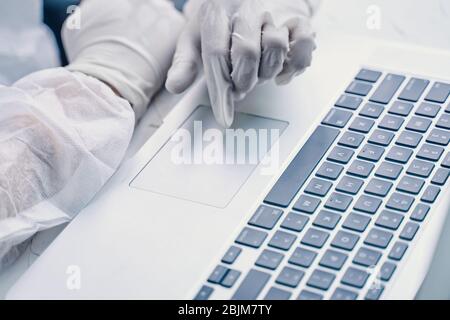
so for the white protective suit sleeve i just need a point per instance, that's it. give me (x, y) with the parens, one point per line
(63, 133)
(62, 136)
(240, 43)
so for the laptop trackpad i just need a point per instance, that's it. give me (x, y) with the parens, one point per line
(205, 163)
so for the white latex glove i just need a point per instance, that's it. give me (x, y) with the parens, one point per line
(241, 42)
(126, 44)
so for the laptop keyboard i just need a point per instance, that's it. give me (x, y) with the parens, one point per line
(346, 210)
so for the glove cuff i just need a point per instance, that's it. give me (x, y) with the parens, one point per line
(136, 81)
(127, 90)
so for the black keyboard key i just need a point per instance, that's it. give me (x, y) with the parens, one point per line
(400, 202)
(301, 167)
(401, 108)
(360, 168)
(367, 257)
(345, 240)
(375, 292)
(302, 257)
(318, 187)
(410, 185)
(439, 92)
(440, 177)
(343, 294)
(367, 204)
(418, 124)
(269, 259)
(339, 202)
(372, 110)
(429, 110)
(391, 123)
(409, 139)
(340, 155)
(356, 222)
(308, 295)
(351, 140)
(359, 88)
(277, 294)
(446, 162)
(290, 277)
(355, 277)
(251, 286)
(389, 220)
(306, 204)
(371, 153)
(414, 89)
(329, 170)
(251, 237)
(378, 238)
(349, 185)
(218, 274)
(265, 217)
(348, 102)
(295, 222)
(387, 270)
(204, 293)
(444, 122)
(430, 194)
(420, 168)
(398, 250)
(430, 152)
(409, 231)
(399, 154)
(362, 125)
(327, 219)
(381, 137)
(231, 255)
(337, 118)
(378, 187)
(440, 137)
(333, 259)
(389, 170)
(321, 279)
(230, 278)
(368, 75)
(420, 212)
(282, 240)
(388, 87)
(315, 238)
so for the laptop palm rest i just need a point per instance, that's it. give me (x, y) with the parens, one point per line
(207, 164)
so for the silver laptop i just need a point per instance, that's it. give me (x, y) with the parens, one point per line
(344, 200)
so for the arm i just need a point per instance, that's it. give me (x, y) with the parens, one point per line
(62, 136)
(64, 132)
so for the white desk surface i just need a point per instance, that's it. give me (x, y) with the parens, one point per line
(400, 20)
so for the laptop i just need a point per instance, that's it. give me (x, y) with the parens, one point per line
(345, 200)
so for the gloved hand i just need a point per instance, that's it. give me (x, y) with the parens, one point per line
(126, 44)
(240, 43)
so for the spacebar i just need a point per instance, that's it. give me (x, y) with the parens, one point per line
(302, 166)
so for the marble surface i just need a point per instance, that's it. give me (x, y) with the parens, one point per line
(413, 21)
